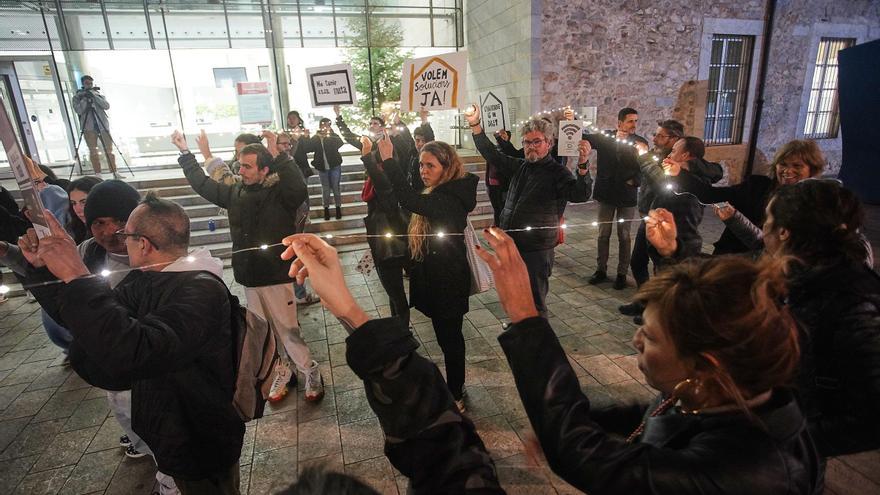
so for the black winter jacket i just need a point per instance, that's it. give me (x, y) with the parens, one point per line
(683, 454)
(537, 195)
(167, 335)
(440, 284)
(12, 223)
(838, 311)
(749, 198)
(258, 214)
(328, 146)
(617, 171)
(426, 438)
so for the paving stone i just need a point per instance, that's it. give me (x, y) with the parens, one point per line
(60, 405)
(12, 359)
(14, 470)
(353, 406)
(66, 448)
(330, 463)
(10, 429)
(499, 436)
(9, 394)
(88, 413)
(375, 472)
(93, 472)
(603, 369)
(276, 431)
(46, 482)
(318, 438)
(362, 440)
(26, 404)
(345, 379)
(50, 377)
(518, 475)
(273, 471)
(133, 476)
(107, 437)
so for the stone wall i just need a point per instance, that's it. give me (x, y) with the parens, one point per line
(499, 39)
(646, 54)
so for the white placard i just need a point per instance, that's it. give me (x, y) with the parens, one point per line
(331, 85)
(254, 102)
(22, 175)
(435, 83)
(494, 111)
(570, 133)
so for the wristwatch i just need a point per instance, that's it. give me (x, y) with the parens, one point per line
(185, 152)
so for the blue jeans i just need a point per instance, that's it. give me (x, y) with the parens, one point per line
(330, 180)
(59, 335)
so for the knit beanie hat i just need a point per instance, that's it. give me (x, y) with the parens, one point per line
(111, 198)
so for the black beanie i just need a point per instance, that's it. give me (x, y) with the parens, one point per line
(111, 198)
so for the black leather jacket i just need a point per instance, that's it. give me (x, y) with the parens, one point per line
(838, 310)
(683, 454)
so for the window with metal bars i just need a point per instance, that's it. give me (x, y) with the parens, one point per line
(823, 117)
(729, 70)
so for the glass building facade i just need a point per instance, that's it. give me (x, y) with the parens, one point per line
(174, 64)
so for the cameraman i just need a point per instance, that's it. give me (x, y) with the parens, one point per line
(91, 105)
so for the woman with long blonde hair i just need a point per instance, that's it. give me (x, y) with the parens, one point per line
(440, 278)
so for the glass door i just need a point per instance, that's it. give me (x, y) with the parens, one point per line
(45, 113)
(10, 94)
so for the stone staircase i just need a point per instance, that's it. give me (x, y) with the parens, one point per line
(168, 181)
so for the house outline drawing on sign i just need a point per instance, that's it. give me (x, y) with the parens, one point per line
(501, 104)
(413, 74)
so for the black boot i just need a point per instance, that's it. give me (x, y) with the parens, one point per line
(326, 213)
(338, 212)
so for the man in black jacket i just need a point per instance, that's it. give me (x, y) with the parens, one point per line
(262, 210)
(165, 331)
(540, 188)
(617, 180)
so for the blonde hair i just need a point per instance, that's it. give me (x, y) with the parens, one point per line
(452, 170)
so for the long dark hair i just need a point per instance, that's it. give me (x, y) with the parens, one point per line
(75, 226)
(823, 219)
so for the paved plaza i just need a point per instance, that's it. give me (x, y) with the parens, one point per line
(57, 434)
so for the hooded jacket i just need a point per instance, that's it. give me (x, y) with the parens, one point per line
(259, 214)
(536, 196)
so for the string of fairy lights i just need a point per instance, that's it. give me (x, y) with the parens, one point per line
(330, 237)
(106, 273)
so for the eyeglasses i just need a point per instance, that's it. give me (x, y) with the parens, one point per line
(123, 233)
(666, 136)
(532, 142)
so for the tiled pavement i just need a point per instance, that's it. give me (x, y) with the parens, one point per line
(57, 436)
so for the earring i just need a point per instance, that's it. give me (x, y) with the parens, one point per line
(689, 390)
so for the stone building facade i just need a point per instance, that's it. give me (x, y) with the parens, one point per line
(654, 56)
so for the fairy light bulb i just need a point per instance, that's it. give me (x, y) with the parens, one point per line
(528, 228)
(646, 218)
(669, 186)
(4, 289)
(264, 246)
(440, 234)
(621, 220)
(105, 273)
(564, 226)
(328, 236)
(388, 235)
(595, 224)
(190, 259)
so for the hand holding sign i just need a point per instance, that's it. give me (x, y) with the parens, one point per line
(386, 149)
(59, 252)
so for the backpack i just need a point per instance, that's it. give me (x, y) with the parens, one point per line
(254, 357)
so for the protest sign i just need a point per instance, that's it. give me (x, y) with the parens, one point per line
(570, 132)
(331, 85)
(254, 102)
(435, 83)
(23, 175)
(494, 110)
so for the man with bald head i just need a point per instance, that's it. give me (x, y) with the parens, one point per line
(166, 332)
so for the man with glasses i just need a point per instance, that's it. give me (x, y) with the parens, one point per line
(539, 190)
(617, 180)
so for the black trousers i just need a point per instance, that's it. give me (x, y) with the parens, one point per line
(540, 266)
(391, 277)
(496, 198)
(638, 263)
(223, 483)
(451, 341)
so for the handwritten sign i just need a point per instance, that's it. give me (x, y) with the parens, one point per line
(22, 175)
(435, 83)
(331, 85)
(494, 111)
(254, 102)
(570, 132)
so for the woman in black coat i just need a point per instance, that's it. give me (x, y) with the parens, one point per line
(440, 279)
(328, 163)
(836, 299)
(718, 346)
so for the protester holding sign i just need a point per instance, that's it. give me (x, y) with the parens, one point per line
(440, 278)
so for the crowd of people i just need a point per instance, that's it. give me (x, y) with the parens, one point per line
(765, 355)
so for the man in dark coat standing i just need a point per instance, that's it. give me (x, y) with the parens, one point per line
(539, 190)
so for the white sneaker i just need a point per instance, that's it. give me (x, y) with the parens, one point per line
(314, 383)
(283, 375)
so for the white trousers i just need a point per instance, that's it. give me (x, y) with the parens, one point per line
(277, 304)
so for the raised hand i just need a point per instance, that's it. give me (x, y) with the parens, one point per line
(319, 261)
(724, 211)
(179, 140)
(204, 146)
(661, 231)
(271, 142)
(472, 114)
(59, 252)
(584, 149)
(386, 149)
(29, 245)
(511, 276)
(366, 146)
(672, 167)
(568, 114)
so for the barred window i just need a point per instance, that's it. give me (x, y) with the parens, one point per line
(729, 71)
(823, 116)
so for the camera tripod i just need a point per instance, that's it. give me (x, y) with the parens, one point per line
(90, 111)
